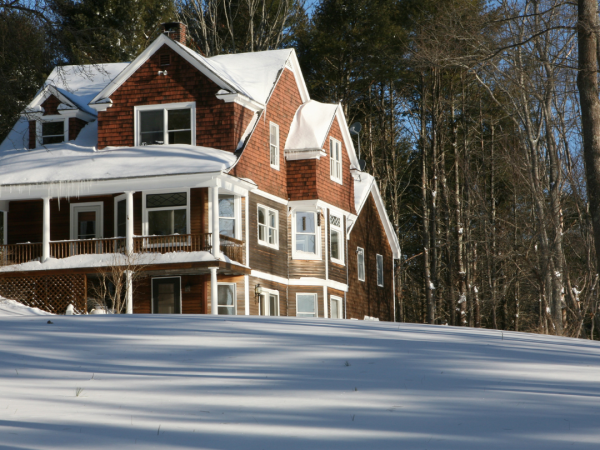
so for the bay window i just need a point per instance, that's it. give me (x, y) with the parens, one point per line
(336, 238)
(166, 124)
(166, 214)
(268, 226)
(306, 305)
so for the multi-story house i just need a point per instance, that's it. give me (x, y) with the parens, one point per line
(218, 179)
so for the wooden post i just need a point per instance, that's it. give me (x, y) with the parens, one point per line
(46, 230)
(129, 222)
(216, 244)
(214, 293)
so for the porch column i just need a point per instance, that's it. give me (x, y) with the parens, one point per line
(129, 222)
(216, 242)
(46, 230)
(214, 296)
(129, 291)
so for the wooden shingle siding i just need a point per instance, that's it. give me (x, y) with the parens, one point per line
(293, 290)
(282, 289)
(218, 124)
(198, 198)
(255, 161)
(263, 258)
(365, 298)
(25, 221)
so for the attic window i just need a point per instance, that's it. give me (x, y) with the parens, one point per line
(166, 124)
(53, 132)
(165, 60)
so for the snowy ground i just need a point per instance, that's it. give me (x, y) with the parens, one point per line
(285, 383)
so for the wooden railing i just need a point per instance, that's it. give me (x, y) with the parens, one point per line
(22, 253)
(232, 248)
(19, 253)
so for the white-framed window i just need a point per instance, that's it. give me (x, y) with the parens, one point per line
(335, 306)
(379, 270)
(87, 220)
(166, 295)
(306, 305)
(360, 263)
(336, 238)
(53, 131)
(274, 145)
(3, 227)
(166, 212)
(268, 303)
(226, 299)
(121, 215)
(228, 215)
(167, 124)
(268, 226)
(335, 159)
(306, 235)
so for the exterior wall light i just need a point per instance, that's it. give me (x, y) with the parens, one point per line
(257, 291)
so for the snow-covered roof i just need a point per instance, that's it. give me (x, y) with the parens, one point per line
(79, 160)
(310, 126)
(80, 84)
(362, 187)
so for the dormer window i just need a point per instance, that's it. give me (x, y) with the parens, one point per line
(53, 132)
(168, 124)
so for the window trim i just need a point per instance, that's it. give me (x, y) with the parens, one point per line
(145, 223)
(152, 294)
(360, 250)
(266, 242)
(335, 162)
(99, 220)
(340, 230)
(377, 259)
(340, 301)
(316, 313)
(266, 292)
(298, 254)
(234, 297)
(237, 215)
(39, 138)
(165, 107)
(4, 235)
(277, 147)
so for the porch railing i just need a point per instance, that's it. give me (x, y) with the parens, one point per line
(22, 253)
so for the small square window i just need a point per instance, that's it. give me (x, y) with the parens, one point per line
(306, 305)
(53, 132)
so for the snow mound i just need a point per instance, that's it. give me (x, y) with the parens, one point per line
(14, 308)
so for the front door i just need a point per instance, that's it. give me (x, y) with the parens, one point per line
(166, 295)
(86, 221)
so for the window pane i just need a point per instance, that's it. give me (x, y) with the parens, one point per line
(179, 221)
(121, 218)
(86, 225)
(227, 227)
(166, 298)
(152, 127)
(306, 304)
(271, 236)
(179, 119)
(335, 244)
(180, 137)
(163, 200)
(160, 223)
(226, 299)
(261, 216)
(226, 206)
(53, 129)
(305, 222)
(261, 232)
(379, 270)
(361, 264)
(272, 220)
(305, 243)
(273, 305)
(52, 140)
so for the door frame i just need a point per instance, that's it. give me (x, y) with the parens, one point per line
(152, 293)
(97, 207)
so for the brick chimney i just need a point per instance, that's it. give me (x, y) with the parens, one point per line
(176, 31)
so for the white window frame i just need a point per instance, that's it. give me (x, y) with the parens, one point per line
(316, 312)
(274, 148)
(152, 294)
(335, 165)
(145, 223)
(97, 207)
(50, 118)
(298, 254)
(339, 229)
(263, 296)
(360, 251)
(237, 214)
(165, 107)
(3, 236)
(267, 227)
(117, 199)
(379, 262)
(340, 300)
(234, 297)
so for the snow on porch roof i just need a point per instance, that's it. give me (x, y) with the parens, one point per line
(79, 161)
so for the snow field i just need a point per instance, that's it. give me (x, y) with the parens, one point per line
(287, 383)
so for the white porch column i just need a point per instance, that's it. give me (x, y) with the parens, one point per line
(46, 230)
(129, 286)
(214, 296)
(216, 242)
(129, 222)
